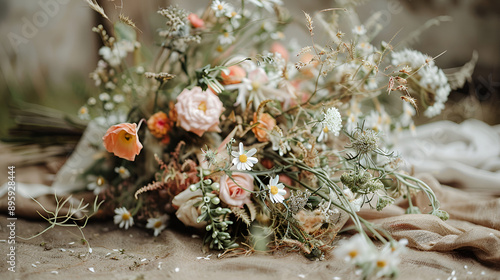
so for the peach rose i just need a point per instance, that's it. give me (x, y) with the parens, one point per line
(122, 141)
(186, 212)
(198, 111)
(235, 75)
(266, 124)
(196, 22)
(231, 193)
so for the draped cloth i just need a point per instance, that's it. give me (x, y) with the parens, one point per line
(467, 245)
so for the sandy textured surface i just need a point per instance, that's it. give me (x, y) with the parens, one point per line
(176, 254)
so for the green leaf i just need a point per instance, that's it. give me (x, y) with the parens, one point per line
(125, 32)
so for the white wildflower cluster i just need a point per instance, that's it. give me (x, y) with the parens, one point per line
(431, 77)
(119, 51)
(358, 251)
(332, 121)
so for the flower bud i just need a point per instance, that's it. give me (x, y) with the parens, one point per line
(215, 200)
(215, 186)
(207, 182)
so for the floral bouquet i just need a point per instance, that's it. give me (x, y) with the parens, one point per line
(258, 143)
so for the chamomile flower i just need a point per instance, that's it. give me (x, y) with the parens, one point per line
(97, 184)
(123, 172)
(323, 135)
(332, 121)
(123, 218)
(355, 250)
(276, 190)
(242, 160)
(226, 38)
(234, 18)
(83, 113)
(220, 7)
(158, 224)
(387, 261)
(359, 30)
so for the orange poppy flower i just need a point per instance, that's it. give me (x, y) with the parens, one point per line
(122, 141)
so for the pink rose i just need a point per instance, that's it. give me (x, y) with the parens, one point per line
(185, 203)
(198, 111)
(122, 140)
(233, 194)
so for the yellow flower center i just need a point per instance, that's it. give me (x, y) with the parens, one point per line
(83, 110)
(226, 34)
(220, 7)
(125, 216)
(100, 181)
(243, 158)
(255, 85)
(353, 254)
(202, 106)
(381, 263)
(219, 48)
(158, 224)
(274, 190)
(325, 129)
(122, 170)
(233, 14)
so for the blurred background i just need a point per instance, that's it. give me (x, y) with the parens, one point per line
(47, 48)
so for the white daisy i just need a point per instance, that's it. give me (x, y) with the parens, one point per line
(359, 30)
(97, 184)
(276, 190)
(234, 18)
(242, 160)
(123, 172)
(83, 113)
(355, 250)
(158, 224)
(220, 7)
(332, 120)
(387, 261)
(226, 38)
(123, 218)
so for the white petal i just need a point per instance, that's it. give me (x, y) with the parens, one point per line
(242, 151)
(281, 192)
(275, 180)
(252, 160)
(236, 161)
(251, 152)
(235, 154)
